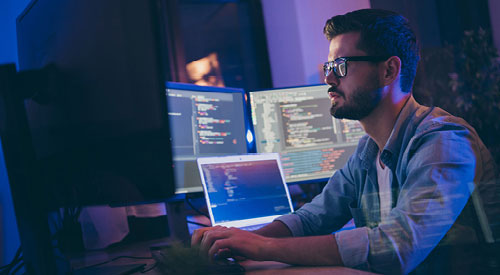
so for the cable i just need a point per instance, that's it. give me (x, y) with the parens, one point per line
(195, 209)
(151, 268)
(197, 223)
(17, 268)
(116, 258)
(17, 258)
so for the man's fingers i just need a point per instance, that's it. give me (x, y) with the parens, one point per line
(210, 236)
(224, 254)
(198, 235)
(221, 245)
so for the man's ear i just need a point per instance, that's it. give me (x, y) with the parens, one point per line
(392, 70)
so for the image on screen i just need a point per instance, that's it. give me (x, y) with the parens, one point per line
(204, 121)
(296, 123)
(254, 188)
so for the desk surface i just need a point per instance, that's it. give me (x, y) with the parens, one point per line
(251, 267)
(276, 268)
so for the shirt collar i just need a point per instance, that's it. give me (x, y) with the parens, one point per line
(391, 149)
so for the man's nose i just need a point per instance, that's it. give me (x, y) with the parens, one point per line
(331, 79)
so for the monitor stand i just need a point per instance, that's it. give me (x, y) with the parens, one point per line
(177, 221)
(29, 203)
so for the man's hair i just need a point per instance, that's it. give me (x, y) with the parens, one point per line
(382, 33)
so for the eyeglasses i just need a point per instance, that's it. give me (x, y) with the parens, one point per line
(339, 65)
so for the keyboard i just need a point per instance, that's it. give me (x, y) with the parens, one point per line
(225, 266)
(253, 227)
(181, 259)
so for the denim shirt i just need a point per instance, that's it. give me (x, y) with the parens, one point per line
(435, 161)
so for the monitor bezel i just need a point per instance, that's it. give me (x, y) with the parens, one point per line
(298, 182)
(250, 146)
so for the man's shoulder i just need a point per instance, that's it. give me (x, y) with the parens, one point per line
(437, 119)
(363, 144)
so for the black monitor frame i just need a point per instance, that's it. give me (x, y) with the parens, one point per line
(244, 120)
(102, 135)
(347, 148)
(41, 127)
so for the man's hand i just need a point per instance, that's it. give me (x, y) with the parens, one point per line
(231, 242)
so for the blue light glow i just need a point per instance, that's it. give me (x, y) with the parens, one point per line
(249, 137)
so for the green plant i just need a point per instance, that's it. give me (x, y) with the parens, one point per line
(464, 80)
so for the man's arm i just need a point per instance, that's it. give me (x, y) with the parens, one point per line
(316, 250)
(436, 182)
(275, 229)
(328, 213)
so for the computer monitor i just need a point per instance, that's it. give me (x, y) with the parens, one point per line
(205, 121)
(296, 123)
(99, 135)
(103, 136)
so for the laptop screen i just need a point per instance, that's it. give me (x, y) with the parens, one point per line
(244, 190)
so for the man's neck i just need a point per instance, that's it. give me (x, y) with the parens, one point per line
(379, 124)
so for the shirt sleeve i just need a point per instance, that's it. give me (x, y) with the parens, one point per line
(293, 223)
(436, 182)
(330, 210)
(436, 178)
(353, 247)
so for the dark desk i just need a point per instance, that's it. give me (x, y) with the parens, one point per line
(142, 249)
(276, 268)
(251, 267)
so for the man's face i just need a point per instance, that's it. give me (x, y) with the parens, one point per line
(357, 94)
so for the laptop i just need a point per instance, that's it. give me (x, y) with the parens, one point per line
(244, 191)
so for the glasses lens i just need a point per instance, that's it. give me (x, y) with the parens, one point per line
(340, 67)
(327, 67)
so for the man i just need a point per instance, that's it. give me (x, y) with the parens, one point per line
(408, 181)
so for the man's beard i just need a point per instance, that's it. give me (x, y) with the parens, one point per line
(359, 104)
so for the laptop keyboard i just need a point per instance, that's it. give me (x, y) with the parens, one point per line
(253, 227)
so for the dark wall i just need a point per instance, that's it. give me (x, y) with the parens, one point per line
(457, 16)
(437, 22)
